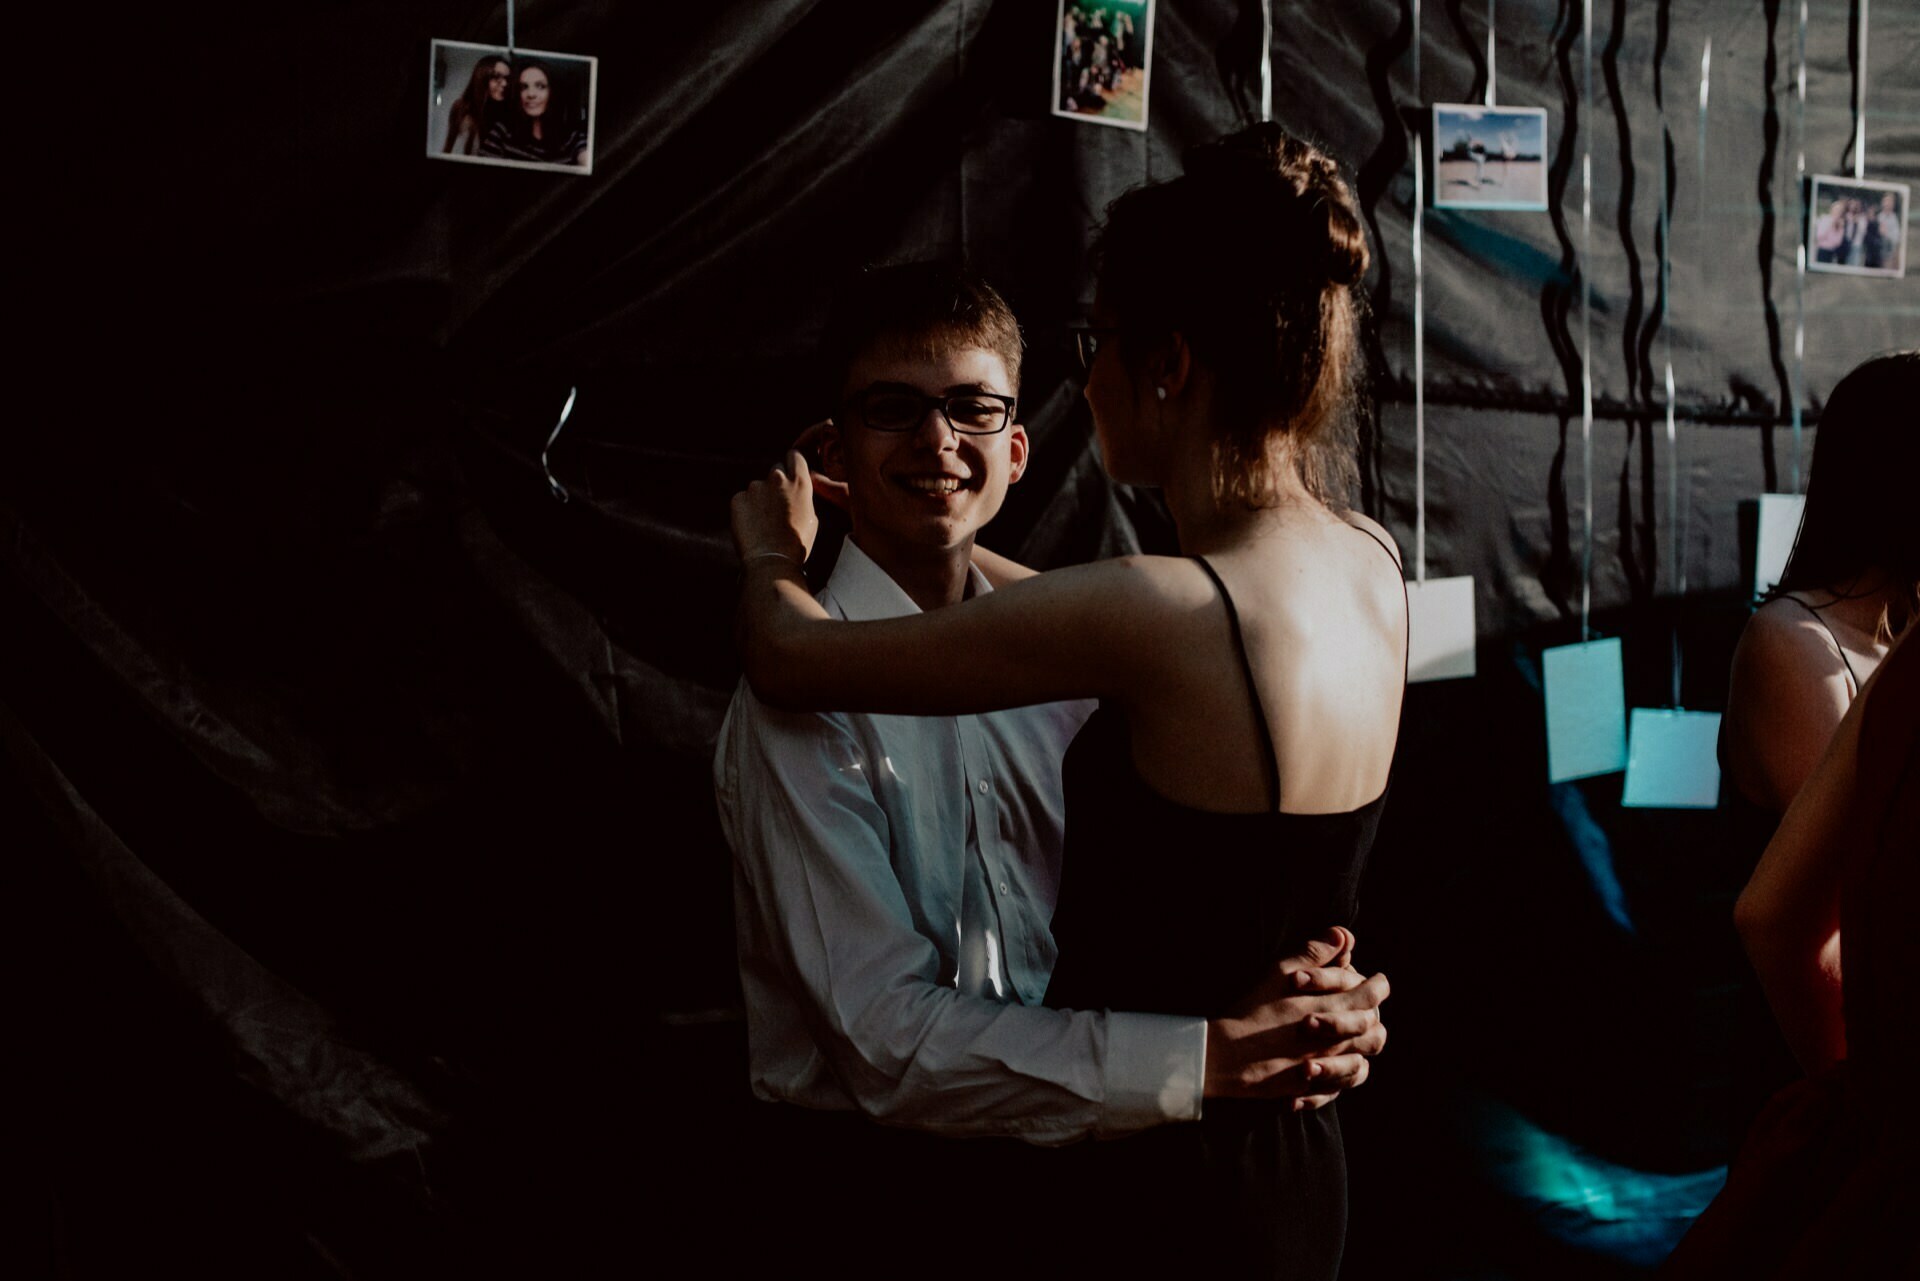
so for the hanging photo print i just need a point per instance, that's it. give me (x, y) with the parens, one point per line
(527, 108)
(1100, 66)
(1489, 157)
(1857, 227)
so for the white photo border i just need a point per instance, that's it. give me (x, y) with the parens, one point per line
(584, 169)
(1435, 149)
(1905, 192)
(1146, 76)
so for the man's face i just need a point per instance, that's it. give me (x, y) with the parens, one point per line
(928, 488)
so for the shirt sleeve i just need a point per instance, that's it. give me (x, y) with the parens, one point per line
(813, 855)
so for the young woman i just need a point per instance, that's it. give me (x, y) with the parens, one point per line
(542, 126)
(1222, 801)
(1850, 585)
(475, 111)
(1830, 233)
(1822, 1185)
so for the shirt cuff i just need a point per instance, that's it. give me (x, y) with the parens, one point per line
(1155, 1069)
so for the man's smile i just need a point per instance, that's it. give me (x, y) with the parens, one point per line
(937, 484)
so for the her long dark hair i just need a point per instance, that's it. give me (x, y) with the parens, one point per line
(559, 119)
(475, 105)
(1859, 521)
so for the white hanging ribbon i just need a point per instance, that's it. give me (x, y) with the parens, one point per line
(1700, 207)
(1419, 367)
(1674, 538)
(1266, 60)
(1490, 94)
(1586, 318)
(566, 411)
(1798, 387)
(1860, 102)
(1673, 527)
(1419, 327)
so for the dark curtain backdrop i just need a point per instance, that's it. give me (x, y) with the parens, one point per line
(357, 785)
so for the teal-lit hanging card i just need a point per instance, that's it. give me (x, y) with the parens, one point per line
(1440, 625)
(1586, 709)
(1672, 759)
(1779, 523)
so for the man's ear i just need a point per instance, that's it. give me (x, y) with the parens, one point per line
(1017, 446)
(833, 459)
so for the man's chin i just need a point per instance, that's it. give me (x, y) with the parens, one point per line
(927, 536)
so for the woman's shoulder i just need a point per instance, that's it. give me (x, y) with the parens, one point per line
(1789, 625)
(1368, 525)
(1784, 645)
(1145, 579)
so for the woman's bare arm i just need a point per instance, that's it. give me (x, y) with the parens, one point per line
(1789, 914)
(1786, 697)
(1001, 571)
(1099, 630)
(1093, 631)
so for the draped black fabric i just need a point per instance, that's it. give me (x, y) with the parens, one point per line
(360, 783)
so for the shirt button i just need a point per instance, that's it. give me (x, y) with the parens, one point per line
(983, 787)
(1003, 887)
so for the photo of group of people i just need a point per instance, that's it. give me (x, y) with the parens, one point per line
(1857, 227)
(526, 107)
(1100, 68)
(1489, 157)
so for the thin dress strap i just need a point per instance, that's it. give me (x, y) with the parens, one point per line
(1406, 600)
(1838, 647)
(1253, 690)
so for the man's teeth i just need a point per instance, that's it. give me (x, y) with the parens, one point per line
(933, 484)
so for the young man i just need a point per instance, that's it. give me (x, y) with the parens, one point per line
(895, 876)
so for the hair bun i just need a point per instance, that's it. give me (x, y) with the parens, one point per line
(1293, 188)
(1347, 254)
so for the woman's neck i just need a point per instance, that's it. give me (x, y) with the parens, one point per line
(1208, 522)
(1861, 604)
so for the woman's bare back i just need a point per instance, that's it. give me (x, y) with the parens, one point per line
(1322, 613)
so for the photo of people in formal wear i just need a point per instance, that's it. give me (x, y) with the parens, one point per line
(1489, 157)
(526, 108)
(1856, 227)
(1100, 68)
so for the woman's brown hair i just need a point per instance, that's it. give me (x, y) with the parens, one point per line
(1253, 257)
(1859, 515)
(475, 105)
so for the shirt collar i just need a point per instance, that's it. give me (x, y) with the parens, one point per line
(865, 592)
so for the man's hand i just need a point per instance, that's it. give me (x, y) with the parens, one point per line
(1305, 1033)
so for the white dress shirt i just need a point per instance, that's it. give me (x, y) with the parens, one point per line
(894, 878)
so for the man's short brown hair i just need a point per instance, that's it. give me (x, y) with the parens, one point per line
(920, 308)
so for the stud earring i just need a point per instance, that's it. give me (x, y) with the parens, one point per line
(1161, 392)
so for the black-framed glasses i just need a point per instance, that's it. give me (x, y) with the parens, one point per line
(971, 413)
(1088, 339)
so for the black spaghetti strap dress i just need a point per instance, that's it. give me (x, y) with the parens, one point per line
(1169, 909)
